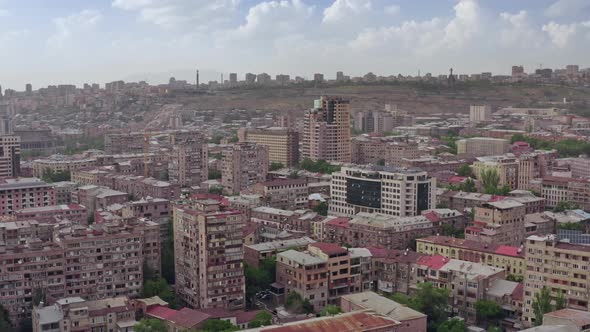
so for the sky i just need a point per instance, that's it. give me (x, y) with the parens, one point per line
(96, 41)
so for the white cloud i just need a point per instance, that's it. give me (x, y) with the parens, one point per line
(13, 35)
(464, 25)
(560, 34)
(344, 9)
(518, 31)
(200, 14)
(567, 8)
(392, 10)
(427, 36)
(4, 13)
(66, 26)
(273, 19)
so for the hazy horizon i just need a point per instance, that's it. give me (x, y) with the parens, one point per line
(75, 42)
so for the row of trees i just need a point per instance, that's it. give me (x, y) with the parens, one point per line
(50, 176)
(565, 148)
(320, 166)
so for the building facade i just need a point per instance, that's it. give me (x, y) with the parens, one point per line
(209, 255)
(21, 193)
(188, 163)
(243, 166)
(395, 192)
(9, 156)
(326, 131)
(282, 143)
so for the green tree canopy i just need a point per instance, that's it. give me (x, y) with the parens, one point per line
(320, 166)
(488, 311)
(214, 174)
(330, 310)
(452, 325)
(322, 208)
(465, 170)
(261, 277)
(429, 300)
(542, 305)
(4, 320)
(489, 180)
(159, 287)
(564, 206)
(275, 166)
(263, 318)
(150, 325)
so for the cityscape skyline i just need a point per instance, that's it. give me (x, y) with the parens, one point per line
(355, 36)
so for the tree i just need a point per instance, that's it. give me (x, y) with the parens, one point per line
(464, 170)
(4, 320)
(159, 287)
(515, 278)
(431, 301)
(487, 310)
(322, 209)
(26, 325)
(214, 174)
(564, 206)
(541, 305)
(294, 175)
(494, 329)
(263, 318)
(452, 325)
(442, 205)
(216, 190)
(39, 296)
(296, 304)
(261, 277)
(573, 226)
(218, 325)
(150, 325)
(504, 190)
(167, 263)
(307, 307)
(275, 166)
(330, 310)
(50, 176)
(560, 301)
(469, 186)
(490, 180)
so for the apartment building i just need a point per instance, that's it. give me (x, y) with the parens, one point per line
(275, 223)
(561, 189)
(9, 156)
(255, 253)
(209, 255)
(77, 314)
(124, 143)
(75, 213)
(534, 165)
(96, 198)
(342, 278)
(387, 150)
(286, 194)
(393, 270)
(511, 259)
(480, 113)
(500, 222)
(282, 143)
(386, 231)
(94, 262)
(395, 192)
(506, 166)
(562, 267)
(326, 131)
(244, 165)
(60, 163)
(467, 282)
(188, 163)
(580, 167)
(483, 146)
(20, 193)
(304, 274)
(63, 192)
(140, 186)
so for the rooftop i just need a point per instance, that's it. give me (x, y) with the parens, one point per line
(577, 317)
(386, 221)
(269, 246)
(301, 258)
(383, 306)
(329, 248)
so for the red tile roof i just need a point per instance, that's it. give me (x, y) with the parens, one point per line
(339, 222)
(469, 244)
(433, 262)
(216, 313)
(518, 292)
(358, 321)
(432, 216)
(188, 318)
(246, 316)
(160, 312)
(329, 248)
(249, 228)
(473, 229)
(508, 251)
